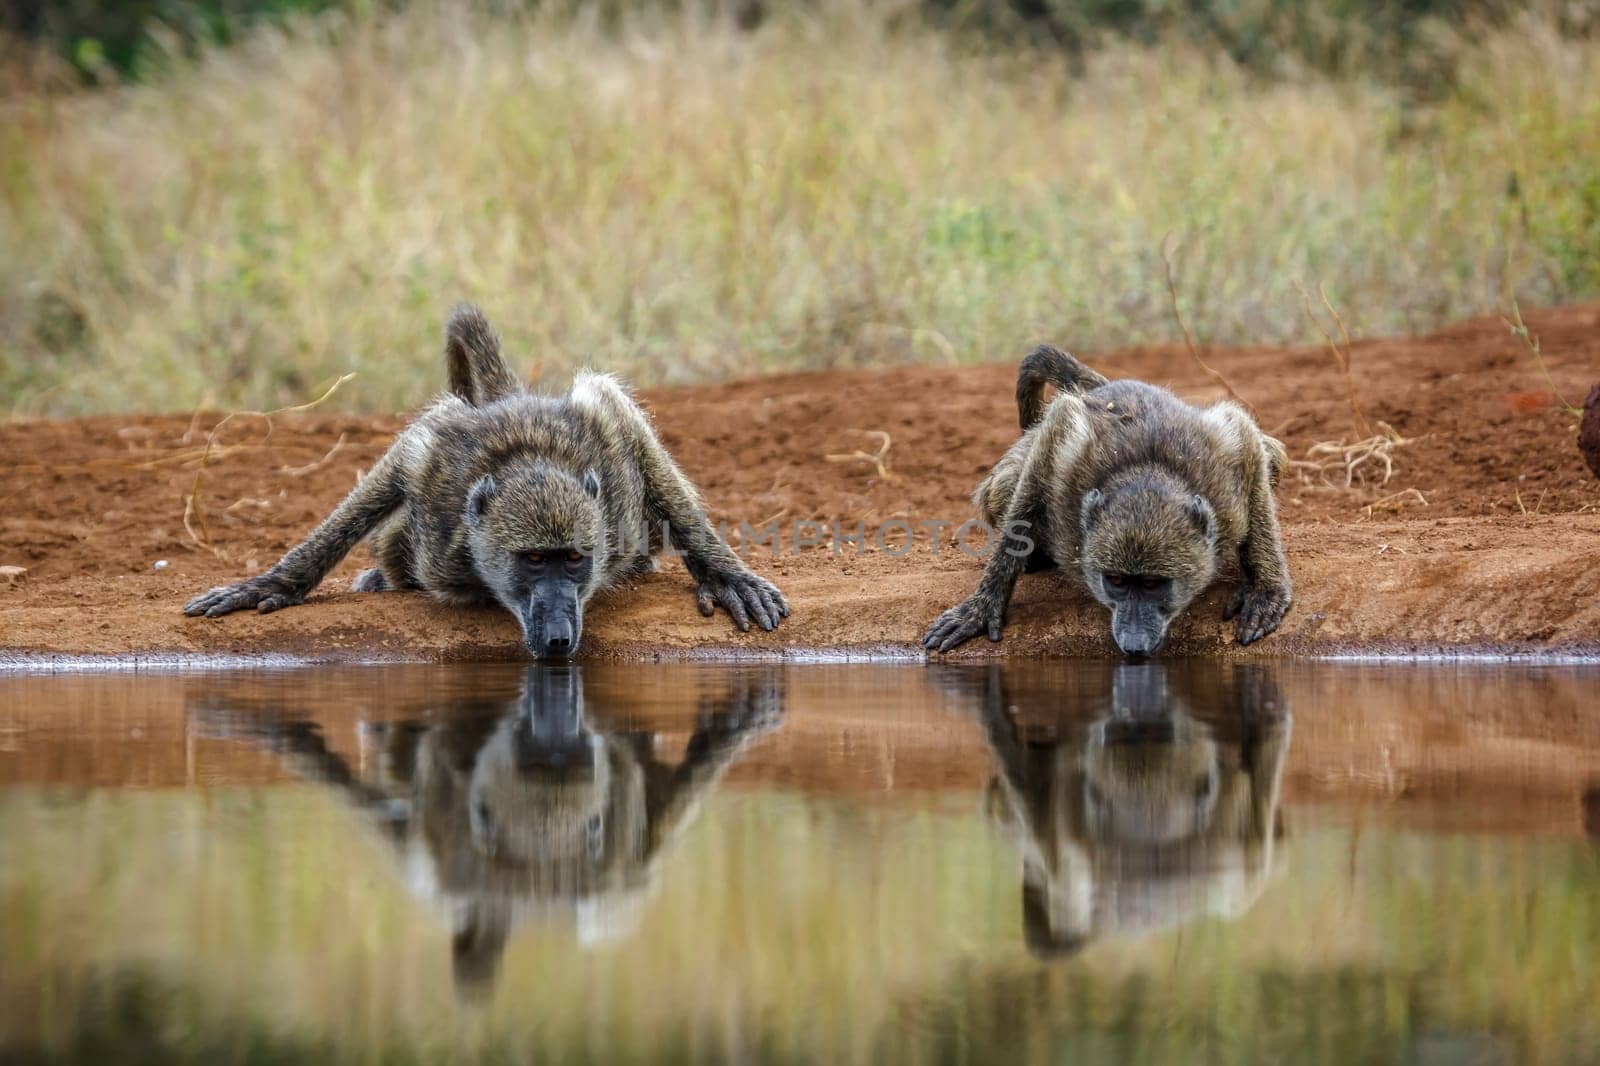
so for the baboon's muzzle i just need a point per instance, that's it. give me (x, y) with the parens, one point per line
(557, 640)
(538, 747)
(1138, 629)
(552, 624)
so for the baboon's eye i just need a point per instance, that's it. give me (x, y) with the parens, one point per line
(574, 556)
(1150, 584)
(536, 558)
(1116, 580)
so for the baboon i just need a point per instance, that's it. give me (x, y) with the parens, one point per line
(495, 494)
(1137, 815)
(520, 808)
(1140, 492)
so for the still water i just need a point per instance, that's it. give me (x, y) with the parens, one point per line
(1074, 862)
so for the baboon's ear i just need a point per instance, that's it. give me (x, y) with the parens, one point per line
(1204, 517)
(591, 483)
(1090, 508)
(478, 499)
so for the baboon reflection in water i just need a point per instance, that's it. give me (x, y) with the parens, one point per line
(507, 810)
(1133, 810)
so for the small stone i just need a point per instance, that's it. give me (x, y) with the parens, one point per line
(14, 576)
(161, 564)
(1589, 431)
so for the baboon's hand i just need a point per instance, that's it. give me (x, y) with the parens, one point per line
(756, 707)
(744, 595)
(965, 621)
(1258, 608)
(266, 594)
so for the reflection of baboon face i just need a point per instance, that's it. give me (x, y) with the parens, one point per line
(1142, 818)
(534, 799)
(1150, 782)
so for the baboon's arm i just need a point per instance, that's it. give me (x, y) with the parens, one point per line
(292, 578)
(1263, 598)
(1011, 756)
(1056, 451)
(673, 793)
(1266, 747)
(305, 751)
(985, 610)
(1001, 732)
(720, 576)
(1263, 750)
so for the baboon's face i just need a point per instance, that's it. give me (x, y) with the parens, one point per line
(1146, 554)
(538, 790)
(1150, 780)
(534, 538)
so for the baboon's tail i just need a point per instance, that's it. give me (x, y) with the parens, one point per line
(472, 355)
(1049, 366)
(1277, 459)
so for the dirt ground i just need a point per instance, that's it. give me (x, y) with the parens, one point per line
(1500, 558)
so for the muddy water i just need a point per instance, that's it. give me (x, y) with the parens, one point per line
(1072, 862)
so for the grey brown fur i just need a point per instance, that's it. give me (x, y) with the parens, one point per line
(489, 480)
(1143, 494)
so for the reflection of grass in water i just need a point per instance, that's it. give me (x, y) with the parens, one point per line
(268, 924)
(1449, 949)
(683, 201)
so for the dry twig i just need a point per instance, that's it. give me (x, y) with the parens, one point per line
(1341, 356)
(1519, 329)
(1357, 462)
(1188, 338)
(194, 518)
(313, 467)
(878, 458)
(1396, 500)
(1370, 459)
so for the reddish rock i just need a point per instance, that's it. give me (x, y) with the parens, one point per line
(1589, 431)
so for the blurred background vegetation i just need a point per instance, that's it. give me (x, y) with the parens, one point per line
(231, 201)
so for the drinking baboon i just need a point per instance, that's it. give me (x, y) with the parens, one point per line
(1139, 493)
(496, 495)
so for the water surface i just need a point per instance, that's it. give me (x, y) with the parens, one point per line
(1073, 862)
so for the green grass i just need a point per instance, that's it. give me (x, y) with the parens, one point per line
(678, 200)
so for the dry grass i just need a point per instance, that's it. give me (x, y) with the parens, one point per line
(1530, 341)
(1369, 459)
(1211, 372)
(877, 459)
(679, 200)
(1336, 464)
